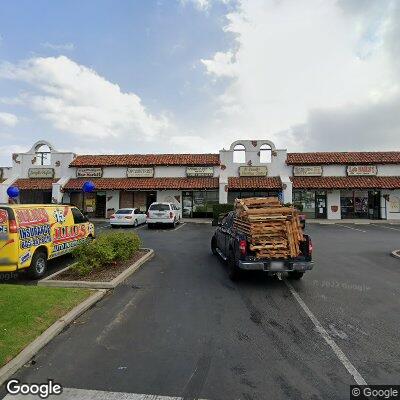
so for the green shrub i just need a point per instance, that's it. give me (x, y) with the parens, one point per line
(105, 250)
(124, 244)
(219, 209)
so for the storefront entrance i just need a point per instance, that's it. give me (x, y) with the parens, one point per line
(198, 204)
(320, 205)
(136, 199)
(360, 204)
(312, 203)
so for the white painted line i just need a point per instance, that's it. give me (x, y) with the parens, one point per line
(321, 330)
(350, 227)
(386, 227)
(82, 394)
(180, 226)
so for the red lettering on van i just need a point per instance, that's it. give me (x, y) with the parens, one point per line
(34, 216)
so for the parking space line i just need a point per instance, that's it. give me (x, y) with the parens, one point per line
(350, 227)
(386, 227)
(179, 227)
(321, 330)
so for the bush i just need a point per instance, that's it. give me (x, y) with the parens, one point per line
(104, 251)
(219, 209)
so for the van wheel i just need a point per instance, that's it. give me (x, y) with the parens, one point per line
(296, 275)
(38, 265)
(234, 271)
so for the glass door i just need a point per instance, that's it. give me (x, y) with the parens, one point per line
(320, 205)
(187, 204)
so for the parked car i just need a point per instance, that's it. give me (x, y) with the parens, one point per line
(234, 248)
(31, 234)
(127, 217)
(163, 213)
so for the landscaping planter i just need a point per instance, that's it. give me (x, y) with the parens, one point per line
(105, 278)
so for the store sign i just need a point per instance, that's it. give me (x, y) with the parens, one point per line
(40, 173)
(253, 171)
(89, 172)
(140, 172)
(199, 171)
(369, 170)
(309, 170)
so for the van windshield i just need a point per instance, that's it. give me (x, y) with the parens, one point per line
(159, 207)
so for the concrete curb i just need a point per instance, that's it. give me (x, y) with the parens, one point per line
(33, 348)
(395, 254)
(97, 285)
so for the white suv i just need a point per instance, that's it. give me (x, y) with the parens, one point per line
(163, 213)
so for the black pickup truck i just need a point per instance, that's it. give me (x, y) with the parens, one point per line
(233, 247)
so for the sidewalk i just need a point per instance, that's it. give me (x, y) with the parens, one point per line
(353, 221)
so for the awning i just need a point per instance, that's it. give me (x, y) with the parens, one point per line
(145, 183)
(34, 184)
(346, 182)
(254, 183)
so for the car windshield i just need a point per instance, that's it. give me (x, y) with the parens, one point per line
(159, 207)
(124, 212)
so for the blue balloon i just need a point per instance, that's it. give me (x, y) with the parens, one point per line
(88, 187)
(13, 192)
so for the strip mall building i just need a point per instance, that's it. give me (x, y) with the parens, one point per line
(328, 185)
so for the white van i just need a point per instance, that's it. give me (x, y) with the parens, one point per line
(163, 213)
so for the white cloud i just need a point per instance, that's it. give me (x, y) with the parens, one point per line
(204, 5)
(8, 119)
(222, 64)
(59, 47)
(75, 99)
(291, 60)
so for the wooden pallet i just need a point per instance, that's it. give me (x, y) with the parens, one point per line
(273, 230)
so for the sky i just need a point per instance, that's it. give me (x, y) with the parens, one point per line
(156, 76)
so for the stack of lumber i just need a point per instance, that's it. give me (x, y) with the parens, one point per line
(272, 229)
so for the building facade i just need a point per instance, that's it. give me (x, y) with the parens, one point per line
(328, 185)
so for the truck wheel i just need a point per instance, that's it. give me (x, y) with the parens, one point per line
(214, 246)
(296, 275)
(234, 271)
(38, 265)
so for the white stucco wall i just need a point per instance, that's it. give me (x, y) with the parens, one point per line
(112, 199)
(169, 196)
(333, 200)
(392, 207)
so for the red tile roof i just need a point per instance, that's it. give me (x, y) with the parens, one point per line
(145, 183)
(132, 160)
(254, 183)
(35, 184)
(379, 157)
(347, 182)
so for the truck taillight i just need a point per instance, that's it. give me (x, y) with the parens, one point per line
(243, 247)
(171, 214)
(12, 226)
(310, 247)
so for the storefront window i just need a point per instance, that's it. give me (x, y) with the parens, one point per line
(360, 204)
(304, 200)
(199, 203)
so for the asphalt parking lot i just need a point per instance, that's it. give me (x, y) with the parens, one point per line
(180, 327)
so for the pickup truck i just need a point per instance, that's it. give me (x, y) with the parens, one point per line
(233, 247)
